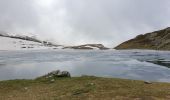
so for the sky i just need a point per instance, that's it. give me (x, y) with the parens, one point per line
(75, 22)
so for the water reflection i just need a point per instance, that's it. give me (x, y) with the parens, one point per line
(160, 62)
(140, 65)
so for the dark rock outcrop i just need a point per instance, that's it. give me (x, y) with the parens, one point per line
(21, 37)
(88, 47)
(158, 40)
(57, 73)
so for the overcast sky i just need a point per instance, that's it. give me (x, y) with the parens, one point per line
(73, 22)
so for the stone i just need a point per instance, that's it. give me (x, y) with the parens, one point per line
(25, 88)
(148, 82)
(91, 83)
(57, 73)
(52, 80)
(65, 74)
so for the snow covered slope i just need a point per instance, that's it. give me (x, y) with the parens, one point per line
(11, 42)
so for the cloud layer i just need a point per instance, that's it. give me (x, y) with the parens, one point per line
(74, 22)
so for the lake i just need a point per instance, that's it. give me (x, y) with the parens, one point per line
(128, 64)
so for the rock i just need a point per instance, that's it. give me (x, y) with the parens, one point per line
(65, 74)
(148, 82)
(57, 73)
(54, 72)
(91, 84)
(52, 80)
(25, 88)
(88, 47)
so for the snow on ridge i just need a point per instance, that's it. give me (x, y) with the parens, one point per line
(2, 33)
(92, 47)
(13, 41)
(28, 41)
(21, 35)
(7, 43)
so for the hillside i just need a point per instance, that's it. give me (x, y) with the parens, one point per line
(88, 47)
(30, 42)
(22, 42)
(157, 40)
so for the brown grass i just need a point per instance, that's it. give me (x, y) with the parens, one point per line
(83, 88)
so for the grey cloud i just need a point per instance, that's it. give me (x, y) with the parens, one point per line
(85, 21)
(17, 14)
(110, 20)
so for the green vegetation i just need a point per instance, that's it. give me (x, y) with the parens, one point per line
(158, 40)
(83, 88)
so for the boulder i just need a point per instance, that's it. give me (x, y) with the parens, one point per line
(148, 82)
(57, 73)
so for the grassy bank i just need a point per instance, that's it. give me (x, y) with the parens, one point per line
(83, 88)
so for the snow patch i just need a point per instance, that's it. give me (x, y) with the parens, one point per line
(7, 43)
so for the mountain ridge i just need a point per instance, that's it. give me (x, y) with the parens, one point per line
(18, 42)
(88, 46)
(157, 40)
(23, 42)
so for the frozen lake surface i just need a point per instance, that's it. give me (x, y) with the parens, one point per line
(130, 64)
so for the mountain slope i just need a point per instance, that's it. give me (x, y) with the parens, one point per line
(157, 40)
(30, 42)
(19, 42)
(87, 47)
